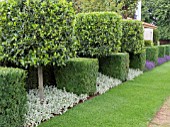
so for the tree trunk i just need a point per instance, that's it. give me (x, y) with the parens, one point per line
(40, 83)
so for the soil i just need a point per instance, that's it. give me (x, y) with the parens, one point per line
(162, 118)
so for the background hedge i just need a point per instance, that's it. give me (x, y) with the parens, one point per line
(152, 54)
(12, 97)
(98, 33)
(137, 61)
(162, 51)
(78, 76)
(132, 39)
(115, 65)
(167, 50)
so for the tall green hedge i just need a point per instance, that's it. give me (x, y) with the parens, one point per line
(12, 97)
(162, 51)
(132, 39)
(167, 50)
(115, 65)
(98, 33)
(78, 76)
(152, 54)
(137, 61)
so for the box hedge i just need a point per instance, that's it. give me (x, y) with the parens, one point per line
(162, 51)
(12, 97)
(78, 76)
(152, 54)
(137, 61)
(167, 50)
(98, 33)
(115, 65)
(132, 39)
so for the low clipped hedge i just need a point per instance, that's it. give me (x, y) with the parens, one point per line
(115, 65)
(132, 38)
(12, 97)
(78, 76)
(167, 50)
(98, 33)
(137, 61)
(152, 54)
(162, 51)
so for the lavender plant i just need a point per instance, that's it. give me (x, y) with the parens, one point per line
(149, 65)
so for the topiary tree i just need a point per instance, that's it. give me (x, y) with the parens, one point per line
(37, 33)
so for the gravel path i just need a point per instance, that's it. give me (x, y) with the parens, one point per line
(162, 118)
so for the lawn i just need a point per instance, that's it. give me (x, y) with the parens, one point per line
(132, 104)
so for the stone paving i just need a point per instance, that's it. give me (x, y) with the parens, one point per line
(162, 118)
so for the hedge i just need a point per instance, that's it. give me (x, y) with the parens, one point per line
(152, 54)
(148, 43)
(115, 65)
(78, 76)
(13, 97)
(162, 51)
(167, 50)
(132, 39)
(137, 61)
(98, 33)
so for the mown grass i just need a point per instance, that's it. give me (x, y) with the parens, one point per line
(132, 104)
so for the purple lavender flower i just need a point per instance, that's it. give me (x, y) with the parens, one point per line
(162, 60)
(167, 58)
(149, 65)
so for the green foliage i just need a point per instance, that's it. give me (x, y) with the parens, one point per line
(148, 43)
(132, 39)
(137, 61)
(155, 36)
(152, 54)
(126, 8)
(167, 52)
(36, 32)
(162, 51)
(115, 65)
(158, 12)
(12, 97)
(98, 33)
(78, 76)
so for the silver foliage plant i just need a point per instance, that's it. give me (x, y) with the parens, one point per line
(134, 73)
(59, 101)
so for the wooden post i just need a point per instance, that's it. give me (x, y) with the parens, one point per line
(40, 83)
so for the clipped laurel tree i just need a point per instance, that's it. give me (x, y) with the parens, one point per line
(13, 97)
(37, 33)
(78, 76)
(132, 39)
(98, 33)
(148, 43)
(152, 54)
(162, 51)
(115, 65)
(156, 36)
